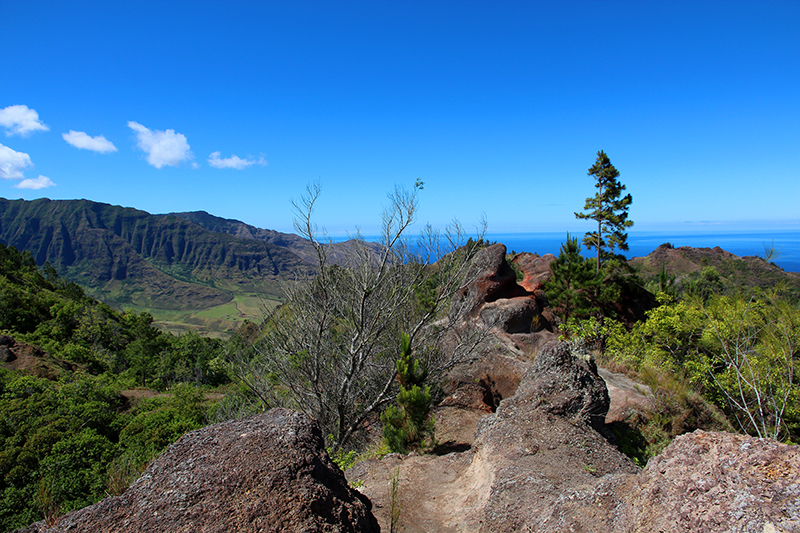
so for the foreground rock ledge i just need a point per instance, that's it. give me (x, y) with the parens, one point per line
(265, 473)
(541, 464)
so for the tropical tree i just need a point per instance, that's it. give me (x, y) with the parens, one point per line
(608, 208)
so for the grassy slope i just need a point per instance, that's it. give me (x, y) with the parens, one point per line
(214, 321)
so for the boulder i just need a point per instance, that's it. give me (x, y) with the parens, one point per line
(512, 315)
(626, 396)
(490, 278)
(566, 383)
(712, 481)
(265, 473)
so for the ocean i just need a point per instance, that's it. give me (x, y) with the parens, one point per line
(741, 243)
(641, 243)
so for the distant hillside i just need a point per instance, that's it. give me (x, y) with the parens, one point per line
(127, 256)
(687, 264)
(337, 252)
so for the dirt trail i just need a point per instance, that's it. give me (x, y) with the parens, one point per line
(436, 493)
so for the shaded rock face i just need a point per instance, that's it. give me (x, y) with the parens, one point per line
(520, 321)
(269, 472)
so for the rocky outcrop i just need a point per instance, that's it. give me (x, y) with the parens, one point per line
(535, 269)
(526, 434)
(520, 322)
(542, 442)
(265, 473)
(538, 448)
(538, 464)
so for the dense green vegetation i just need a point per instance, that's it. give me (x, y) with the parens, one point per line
(740, 352)
(714, 355)
(69, 434)
(718, 346)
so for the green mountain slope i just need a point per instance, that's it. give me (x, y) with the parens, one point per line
(125, 256)
(716, 266)
(338, 252)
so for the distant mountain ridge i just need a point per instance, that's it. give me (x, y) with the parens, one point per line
(685, 263)
(128, 256)
(337, 252)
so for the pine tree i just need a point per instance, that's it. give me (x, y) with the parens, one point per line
(608, 208)
(407, 424)
(573, 283)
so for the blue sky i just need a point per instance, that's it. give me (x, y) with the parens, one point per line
(499, 107)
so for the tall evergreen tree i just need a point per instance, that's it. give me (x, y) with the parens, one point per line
(573, 283)
(608, 208)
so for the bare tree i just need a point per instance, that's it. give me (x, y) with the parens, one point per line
(330, 350)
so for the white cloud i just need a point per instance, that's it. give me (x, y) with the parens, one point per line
(20, 120)
(163, 148)
(12, 163)
(79, 139)
(233, 161)
(42, 182)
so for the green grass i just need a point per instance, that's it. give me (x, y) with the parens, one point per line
(242, 307)
(217, 321)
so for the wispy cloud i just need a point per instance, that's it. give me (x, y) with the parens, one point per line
(234, 161)
(42, 182)
(79, 139)
(163, 148)
(20, 120)
(12, 163)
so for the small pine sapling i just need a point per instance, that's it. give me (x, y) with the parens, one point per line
(407, 424)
